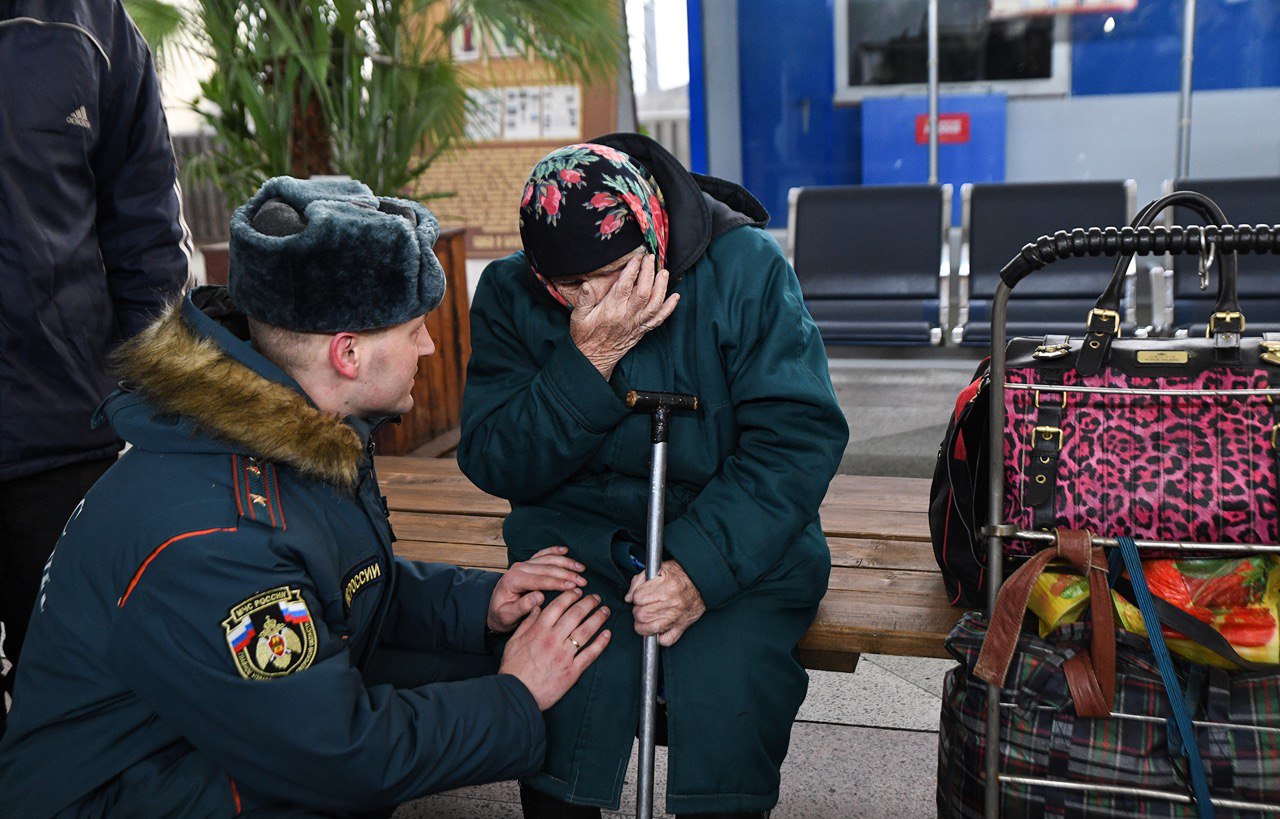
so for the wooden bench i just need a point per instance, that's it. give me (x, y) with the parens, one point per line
(885, 595)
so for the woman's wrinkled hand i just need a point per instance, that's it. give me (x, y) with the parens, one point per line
(609, 320)
(665, 605)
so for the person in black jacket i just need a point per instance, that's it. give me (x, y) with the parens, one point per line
(91, 245)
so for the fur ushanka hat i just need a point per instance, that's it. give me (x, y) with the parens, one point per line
(329, 256)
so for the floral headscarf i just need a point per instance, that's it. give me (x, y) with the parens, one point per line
(587, 205)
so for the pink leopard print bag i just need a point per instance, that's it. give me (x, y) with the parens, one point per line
(1161, 439)
(1161, 443)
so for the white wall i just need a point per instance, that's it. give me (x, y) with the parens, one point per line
(721, 90)
(1134, 136)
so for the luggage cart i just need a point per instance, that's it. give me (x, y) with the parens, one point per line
(1034, 256)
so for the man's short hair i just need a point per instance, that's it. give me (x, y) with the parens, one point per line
(291, 350)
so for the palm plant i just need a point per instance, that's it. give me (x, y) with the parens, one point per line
(366, 88)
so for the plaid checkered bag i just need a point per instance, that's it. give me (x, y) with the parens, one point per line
(1042, 736)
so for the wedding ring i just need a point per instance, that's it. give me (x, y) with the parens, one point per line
(576, 644)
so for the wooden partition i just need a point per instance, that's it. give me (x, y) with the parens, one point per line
(437, 394)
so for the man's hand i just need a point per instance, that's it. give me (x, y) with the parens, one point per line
(521, 589)
(605, 324)
(665, 605)
(553, 646)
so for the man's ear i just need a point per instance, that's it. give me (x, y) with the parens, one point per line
(344, 354)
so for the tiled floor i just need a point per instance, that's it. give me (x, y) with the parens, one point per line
(865, 744)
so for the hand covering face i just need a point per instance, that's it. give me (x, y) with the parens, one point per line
(587, 205)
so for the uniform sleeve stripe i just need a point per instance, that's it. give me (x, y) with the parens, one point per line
(156, 553)
(235, 793)
(235, 476)
(275, 493)
(270, 509)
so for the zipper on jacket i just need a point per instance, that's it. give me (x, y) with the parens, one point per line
(388, 588)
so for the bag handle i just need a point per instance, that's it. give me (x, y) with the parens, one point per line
(1104, 319)
(1212, 215)
(1093, 677)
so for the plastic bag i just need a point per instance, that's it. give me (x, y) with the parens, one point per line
(1238, 597)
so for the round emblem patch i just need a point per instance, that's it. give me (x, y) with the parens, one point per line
(271, 634)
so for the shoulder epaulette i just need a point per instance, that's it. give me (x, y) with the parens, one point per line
(257, 491)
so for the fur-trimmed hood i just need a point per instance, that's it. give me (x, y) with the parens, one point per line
(193, 383)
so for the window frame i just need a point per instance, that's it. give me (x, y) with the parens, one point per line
(1057, 84)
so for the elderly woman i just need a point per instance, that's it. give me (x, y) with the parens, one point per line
(637, 274)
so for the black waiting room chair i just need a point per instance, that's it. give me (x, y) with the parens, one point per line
(999, 218)
(873, 260)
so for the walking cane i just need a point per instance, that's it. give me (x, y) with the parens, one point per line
(661, 405)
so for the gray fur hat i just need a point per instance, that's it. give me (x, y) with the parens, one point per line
(328, 256)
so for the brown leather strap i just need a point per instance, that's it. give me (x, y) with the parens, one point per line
(1011, 605)
(1006, 621)
(1083, 684)
(1078, 548)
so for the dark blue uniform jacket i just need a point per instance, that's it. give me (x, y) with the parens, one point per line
(92, 242)
(198, 645)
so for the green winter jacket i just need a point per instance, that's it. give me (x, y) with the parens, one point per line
(746, 475)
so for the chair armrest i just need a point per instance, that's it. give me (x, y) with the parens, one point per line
(1130, 298)
(944, 290)
(793, 205)
(1161, 280)
(962, 274)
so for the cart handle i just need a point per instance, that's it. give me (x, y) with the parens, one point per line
(1142, 241)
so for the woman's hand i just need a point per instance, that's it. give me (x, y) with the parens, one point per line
(607, 321)
(665, 605)
(520, 590)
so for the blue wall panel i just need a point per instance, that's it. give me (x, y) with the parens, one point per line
(891, 155)
(792, 133)
(697, 90)
(1237, 46)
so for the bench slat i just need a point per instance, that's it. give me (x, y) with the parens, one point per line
(430, 526)
(885, 595)
(865, 611)
(877, 553)
(872, 553)
(923, 589)
(469, 555)
(878, 524)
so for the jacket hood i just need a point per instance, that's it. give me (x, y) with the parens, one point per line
(699, 208)
(193, 383)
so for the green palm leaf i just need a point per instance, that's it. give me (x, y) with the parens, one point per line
(372, 80)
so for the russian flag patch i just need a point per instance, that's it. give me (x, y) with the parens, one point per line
(295, 611)
(271, 634)
(240, 636)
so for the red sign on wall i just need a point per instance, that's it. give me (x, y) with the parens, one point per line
(952, 129)
(1004, 9)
